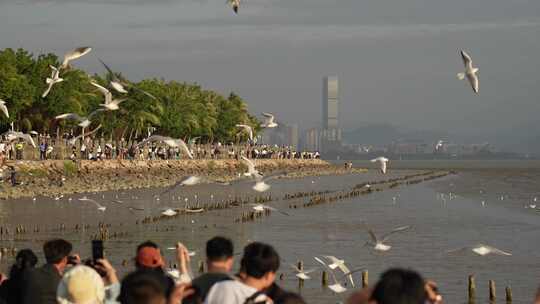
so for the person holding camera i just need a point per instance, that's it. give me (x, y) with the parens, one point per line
(40, 284)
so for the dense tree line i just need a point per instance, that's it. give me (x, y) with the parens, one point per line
(180, 110)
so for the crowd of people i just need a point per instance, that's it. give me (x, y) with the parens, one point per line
(99, 149)
(64, 278)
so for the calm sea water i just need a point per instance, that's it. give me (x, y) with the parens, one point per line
(334, 229)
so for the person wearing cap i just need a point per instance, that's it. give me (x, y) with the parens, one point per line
(149, 258)
(83, 285)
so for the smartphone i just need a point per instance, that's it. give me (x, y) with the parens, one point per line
(97, 250)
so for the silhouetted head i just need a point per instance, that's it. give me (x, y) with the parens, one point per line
(219, 253)
(56, 251)
(399, 286)
(143, 287)
(260, 261)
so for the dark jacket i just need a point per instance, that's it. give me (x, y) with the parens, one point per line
(40, 285)
(202, 285)
(11, 291)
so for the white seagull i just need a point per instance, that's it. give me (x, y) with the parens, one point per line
(54, 79)
(169, 141)
(251, 171)
(3, 108)
(302, 274)
(338, 263)
(75, 54)
(470, 71)
(99, 207)
(13, 135)
(439, 145)
(74, 139)
(247, 129)
(120, 85)
(269, 121)
(482, 250)
(235, 5)
(84, 121)
(337, 286)
(169, 212)
(110, 103)
(382, 162)
(190, 181)
(262, 207)
(378, 243)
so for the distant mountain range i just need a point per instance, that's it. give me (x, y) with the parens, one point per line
(522, 139)
(381, 134)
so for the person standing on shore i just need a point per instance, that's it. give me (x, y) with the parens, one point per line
(42, 150)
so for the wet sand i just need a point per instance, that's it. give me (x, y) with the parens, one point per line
(326, 217)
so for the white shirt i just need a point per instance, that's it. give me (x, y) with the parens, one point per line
(230, 292)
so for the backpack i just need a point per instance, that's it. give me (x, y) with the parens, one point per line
(253, 298)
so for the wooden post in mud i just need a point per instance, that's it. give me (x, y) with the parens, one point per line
(492, 291)
(324, 279)
(365, 279)
(300, 266)
(201, 266)
(508, 295)
(472, 289)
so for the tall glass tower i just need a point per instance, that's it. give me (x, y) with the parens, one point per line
(330, 103)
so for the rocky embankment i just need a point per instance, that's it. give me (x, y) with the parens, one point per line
(56, 177)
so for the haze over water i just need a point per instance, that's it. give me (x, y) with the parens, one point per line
(334, 229)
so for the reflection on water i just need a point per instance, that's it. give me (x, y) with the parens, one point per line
(332, 229)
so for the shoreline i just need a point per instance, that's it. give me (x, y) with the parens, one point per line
(58, 177)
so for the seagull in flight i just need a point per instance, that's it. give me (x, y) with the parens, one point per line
(74, 139)
(260, 181)
(481, 250)
(74, 54)
(337, 286)
(190, 181)
(54, 79)
(470, 71)
(110, 103)
(247, 129)
(378, 243)
(439, 145)
(302, 274)
(99, 207)
(338, 263)
(13, 135)
(251, 171)
(169, 141)
(3, 108)
(383, 161)
(120, 85)
(235, 5)
(269, 121)
(262, 207)
(84, 121)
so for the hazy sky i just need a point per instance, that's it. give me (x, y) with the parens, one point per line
(396, 59)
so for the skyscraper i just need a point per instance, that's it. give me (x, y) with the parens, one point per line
(330, 103)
